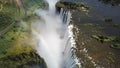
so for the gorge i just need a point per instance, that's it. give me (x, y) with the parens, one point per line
(54, 37)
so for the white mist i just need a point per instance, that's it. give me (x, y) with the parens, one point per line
(49, 33)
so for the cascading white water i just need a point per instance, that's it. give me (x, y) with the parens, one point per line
(53, 37)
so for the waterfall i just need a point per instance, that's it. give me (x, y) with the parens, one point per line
(53, 34)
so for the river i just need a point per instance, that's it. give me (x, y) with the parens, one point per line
(92, 53)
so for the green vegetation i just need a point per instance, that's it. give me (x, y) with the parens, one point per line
(90, 24)
(8, 11)
(115, 25)
(107, 19)
(116, 46)
(112, 2)
(31, 17)
(5, 20)
(110, 56)
(111, 22)
(32, 5)
(16, 44)
(9, 8)
(15, 49)
(21, 60)
(9, 38)
(113, 39)
(71, 5)
(102, 38)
